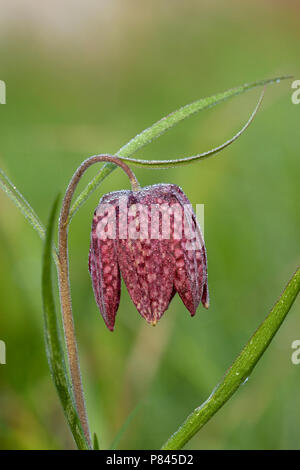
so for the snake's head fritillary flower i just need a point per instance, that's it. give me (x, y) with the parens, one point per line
(152, 238)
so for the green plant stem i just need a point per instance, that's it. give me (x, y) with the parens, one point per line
(53, 341)
(240, 369)
(64, 283)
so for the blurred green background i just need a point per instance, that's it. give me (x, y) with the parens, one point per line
(83, 78)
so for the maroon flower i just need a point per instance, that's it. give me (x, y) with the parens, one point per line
(153, 239)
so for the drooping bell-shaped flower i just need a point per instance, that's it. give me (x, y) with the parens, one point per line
(152, 238)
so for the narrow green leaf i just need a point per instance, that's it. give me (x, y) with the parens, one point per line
(159, 128)
(186, 160)
(166, 123)
(240, 369)
(23, 205)
(54, 349)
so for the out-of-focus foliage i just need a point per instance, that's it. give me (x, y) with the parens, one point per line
(83, 79)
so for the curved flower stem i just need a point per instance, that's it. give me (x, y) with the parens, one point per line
(64, 284)
(240, 369)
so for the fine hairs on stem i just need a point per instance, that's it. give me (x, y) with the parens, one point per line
(64, 282)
